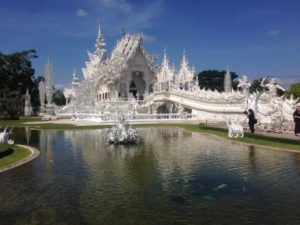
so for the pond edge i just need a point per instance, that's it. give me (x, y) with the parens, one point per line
(34, 154)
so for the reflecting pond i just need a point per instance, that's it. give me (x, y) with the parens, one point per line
(171, 177)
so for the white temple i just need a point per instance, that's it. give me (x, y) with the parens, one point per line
(129, 81)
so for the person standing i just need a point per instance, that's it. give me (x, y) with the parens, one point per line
(251, 120)
(296, 116)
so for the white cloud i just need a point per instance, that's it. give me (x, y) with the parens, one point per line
(60, 86)
(122, 5)
(260, 14)
(273, 33)
(143, 16)
(148, 38)
(134, 17)
(81, 12)
(287, 82)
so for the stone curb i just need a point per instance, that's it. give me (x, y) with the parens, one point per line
(34, 153)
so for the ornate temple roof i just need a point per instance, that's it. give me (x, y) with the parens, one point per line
(166, 72)
(127, 46)
(185, 74)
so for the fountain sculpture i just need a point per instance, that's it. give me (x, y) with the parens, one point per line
(122, 132)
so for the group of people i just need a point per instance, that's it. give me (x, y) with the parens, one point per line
(252, 120)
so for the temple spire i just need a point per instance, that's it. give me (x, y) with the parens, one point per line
(49, 82)
(165, 60)
(123, 31)
(75, 80)
(184, 61)
(100, 44)
(227, 81)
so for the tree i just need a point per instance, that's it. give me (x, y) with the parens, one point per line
(59, 98)
(255, 86)
(16, 75)
(293, 90)
(214, 79)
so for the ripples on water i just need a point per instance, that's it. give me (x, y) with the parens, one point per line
(171, 177)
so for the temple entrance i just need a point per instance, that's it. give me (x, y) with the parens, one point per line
(133, 89)
(137, 85)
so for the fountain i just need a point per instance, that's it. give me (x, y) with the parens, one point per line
(122, 132)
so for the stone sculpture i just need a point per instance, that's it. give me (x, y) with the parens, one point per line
(122, 132)
(5, 136)
(235, 129)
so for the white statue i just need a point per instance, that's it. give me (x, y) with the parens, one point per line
(122, 132)
(244, 85)
(272, 85)
(5, 136)
(235, 129)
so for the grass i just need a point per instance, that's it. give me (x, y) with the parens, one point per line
(18, 123)
(18, 155)
(253, 139)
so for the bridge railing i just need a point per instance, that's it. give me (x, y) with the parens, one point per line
(131, 117)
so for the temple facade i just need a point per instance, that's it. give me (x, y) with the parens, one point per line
(129, 71)
(129, 81)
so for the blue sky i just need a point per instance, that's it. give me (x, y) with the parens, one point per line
(255, 38)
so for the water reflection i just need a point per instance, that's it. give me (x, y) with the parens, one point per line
(171, 177)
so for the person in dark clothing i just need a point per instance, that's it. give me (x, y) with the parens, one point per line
(296, 116)
(251, 120)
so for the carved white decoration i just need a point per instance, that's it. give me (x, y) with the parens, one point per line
(122, 132)
(106, 90)
(227, 81)
(42, 93)
(5, 136)
(28, 107)
(48, 82)
(244, 85)
(186, 75)
(235, 129)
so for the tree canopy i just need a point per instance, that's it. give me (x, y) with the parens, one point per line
(255, 86)
(16, 75)
(214, 79)
(293, 90)
(59, 98)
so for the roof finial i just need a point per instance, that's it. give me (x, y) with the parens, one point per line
(100, 31)
(123, 31)
(74, 73)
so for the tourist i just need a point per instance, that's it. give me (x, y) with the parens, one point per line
(251, 120)
(296, 116)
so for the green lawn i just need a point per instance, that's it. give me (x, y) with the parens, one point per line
(18, 155)
(254, 139)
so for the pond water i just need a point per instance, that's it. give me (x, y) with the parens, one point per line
(171, 177)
